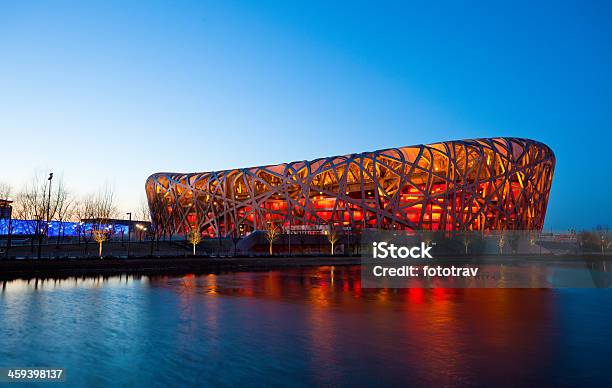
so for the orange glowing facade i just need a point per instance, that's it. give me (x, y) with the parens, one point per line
(482, 184)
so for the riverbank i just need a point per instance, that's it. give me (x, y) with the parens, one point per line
(43, 268)
(169, 265)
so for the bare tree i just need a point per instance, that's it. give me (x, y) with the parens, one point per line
(25, 209)
(36, 203)
(195, 237)
(159, 222)
(272, 234)
(101, 235)
(104, 209)
(467, 241)
(84, 210)
(94, 212)
(604, 242)
(143, 213)
(501, 242)
(65, 208)
(332, 237)
(236, 236)
(5, 191)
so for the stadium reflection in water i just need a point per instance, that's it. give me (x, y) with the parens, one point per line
(304, 327)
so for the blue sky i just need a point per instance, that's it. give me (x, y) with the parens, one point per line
(110, 92)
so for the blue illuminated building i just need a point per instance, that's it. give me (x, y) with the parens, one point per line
(68, 229)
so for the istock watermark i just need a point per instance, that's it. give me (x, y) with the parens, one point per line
(503, 259)
(382, 250)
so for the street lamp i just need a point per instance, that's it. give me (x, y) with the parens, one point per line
(49, 202)
(142, 230)
(46, 229)
(129, 229)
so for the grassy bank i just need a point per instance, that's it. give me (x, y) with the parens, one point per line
(177, 265)
(44, 268)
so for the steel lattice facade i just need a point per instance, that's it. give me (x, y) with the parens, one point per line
(482, 184)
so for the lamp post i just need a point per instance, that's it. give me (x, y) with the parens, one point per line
(129, 229)
(290, 217)
(46, 230)
(142, 230)
(48, 204)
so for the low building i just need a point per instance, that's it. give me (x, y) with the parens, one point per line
(6, 209)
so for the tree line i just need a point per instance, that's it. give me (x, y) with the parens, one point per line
(44, 199)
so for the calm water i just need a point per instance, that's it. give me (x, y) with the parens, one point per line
(303, 327)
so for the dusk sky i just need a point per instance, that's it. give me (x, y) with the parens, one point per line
(110, 92)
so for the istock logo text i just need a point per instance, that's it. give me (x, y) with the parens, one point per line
(383, 250)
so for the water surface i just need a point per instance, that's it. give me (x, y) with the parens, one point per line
(303, 327)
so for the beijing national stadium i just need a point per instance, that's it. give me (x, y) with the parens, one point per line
(480, 184)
